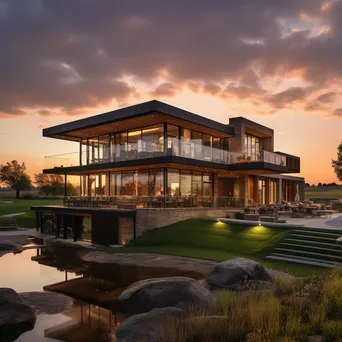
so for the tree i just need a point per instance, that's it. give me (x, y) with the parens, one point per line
(50, 184)
(43, 183)
(337, 164)
(14, 175)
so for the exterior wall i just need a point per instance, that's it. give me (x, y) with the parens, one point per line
(126, 229)
(148, 219)
(243, 126)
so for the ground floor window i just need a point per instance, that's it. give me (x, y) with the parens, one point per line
(273, 191)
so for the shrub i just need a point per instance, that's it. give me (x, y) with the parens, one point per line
(332, 330)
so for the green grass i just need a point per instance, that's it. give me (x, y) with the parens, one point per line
(206, 239)
(28, 220)
(323, 192)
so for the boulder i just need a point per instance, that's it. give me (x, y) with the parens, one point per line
(252, 285)
(149, 327)
(8, 245)
(235, 271)
(16, 316)
(149, 294)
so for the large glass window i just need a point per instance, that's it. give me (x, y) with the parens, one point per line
(134, 137)
(273, 191)
(197, 184)
(127, 184)
(252, 147)
(153, 140)
(207, 184)
(173, 188)
(186, 143)
(84, 185)
(196, 145)
(156, 183)
(207, 151)
(185, 183)
(123, 146)
(143, 183)
(104, 148)
(173, 140)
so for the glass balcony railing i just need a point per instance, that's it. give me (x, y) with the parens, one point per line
(176, 147)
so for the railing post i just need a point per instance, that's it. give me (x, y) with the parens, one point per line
(65, 185)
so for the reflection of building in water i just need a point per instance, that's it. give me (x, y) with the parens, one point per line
(87, 322)
(92, 317)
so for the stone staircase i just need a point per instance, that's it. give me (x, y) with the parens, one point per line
(316, 247)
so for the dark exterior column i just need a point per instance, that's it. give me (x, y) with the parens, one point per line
(301, 185)
(37, 220)
(165, 139)
(57, 225)
(74, 228)
(80, 156)
(165, 185)
(87, 152)
(65, 185)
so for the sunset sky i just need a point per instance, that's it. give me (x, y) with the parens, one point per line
(275, 62)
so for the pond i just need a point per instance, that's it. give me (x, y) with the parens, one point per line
(94, 288)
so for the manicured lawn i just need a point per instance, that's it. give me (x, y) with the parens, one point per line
(28, 220)
(323, 192)
(205, 239)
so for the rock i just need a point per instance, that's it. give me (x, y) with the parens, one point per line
(11, 246)
(16, 316)
(145, 295)
(252, 285)
(237, 271)
(47, 302)
(148, 327)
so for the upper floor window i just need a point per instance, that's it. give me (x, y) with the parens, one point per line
(253, 147)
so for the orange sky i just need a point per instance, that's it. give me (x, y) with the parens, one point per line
(274, 62)
(312, 137)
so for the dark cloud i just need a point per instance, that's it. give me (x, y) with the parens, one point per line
(287, 97)
(337, 112)
(164, 90)
(65, 56)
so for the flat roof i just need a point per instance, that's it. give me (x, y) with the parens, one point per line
(60, 131)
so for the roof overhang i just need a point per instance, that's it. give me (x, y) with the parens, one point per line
(144, 114)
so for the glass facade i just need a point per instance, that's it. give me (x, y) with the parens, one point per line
(253, 146)
(148, 142)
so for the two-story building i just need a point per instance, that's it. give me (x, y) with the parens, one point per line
(152, 164)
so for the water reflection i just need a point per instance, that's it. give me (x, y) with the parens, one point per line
(93, 315)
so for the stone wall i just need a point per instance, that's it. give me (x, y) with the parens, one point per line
(126, 229)
(148, 219)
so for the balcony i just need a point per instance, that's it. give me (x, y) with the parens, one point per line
(176, 147)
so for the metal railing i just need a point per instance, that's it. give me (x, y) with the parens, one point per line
(130, 202)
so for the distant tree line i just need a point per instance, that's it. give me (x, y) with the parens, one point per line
(333, 184)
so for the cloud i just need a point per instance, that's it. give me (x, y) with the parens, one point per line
(287, 97)
(337, 112)
(65, 57)
(164, 90)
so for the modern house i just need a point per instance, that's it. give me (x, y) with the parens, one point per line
(153, 164)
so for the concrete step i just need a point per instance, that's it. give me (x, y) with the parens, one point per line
(311, 232)
(284, 257)
(315, 242)
(310, 253)
(311, 247)
(311, 237)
